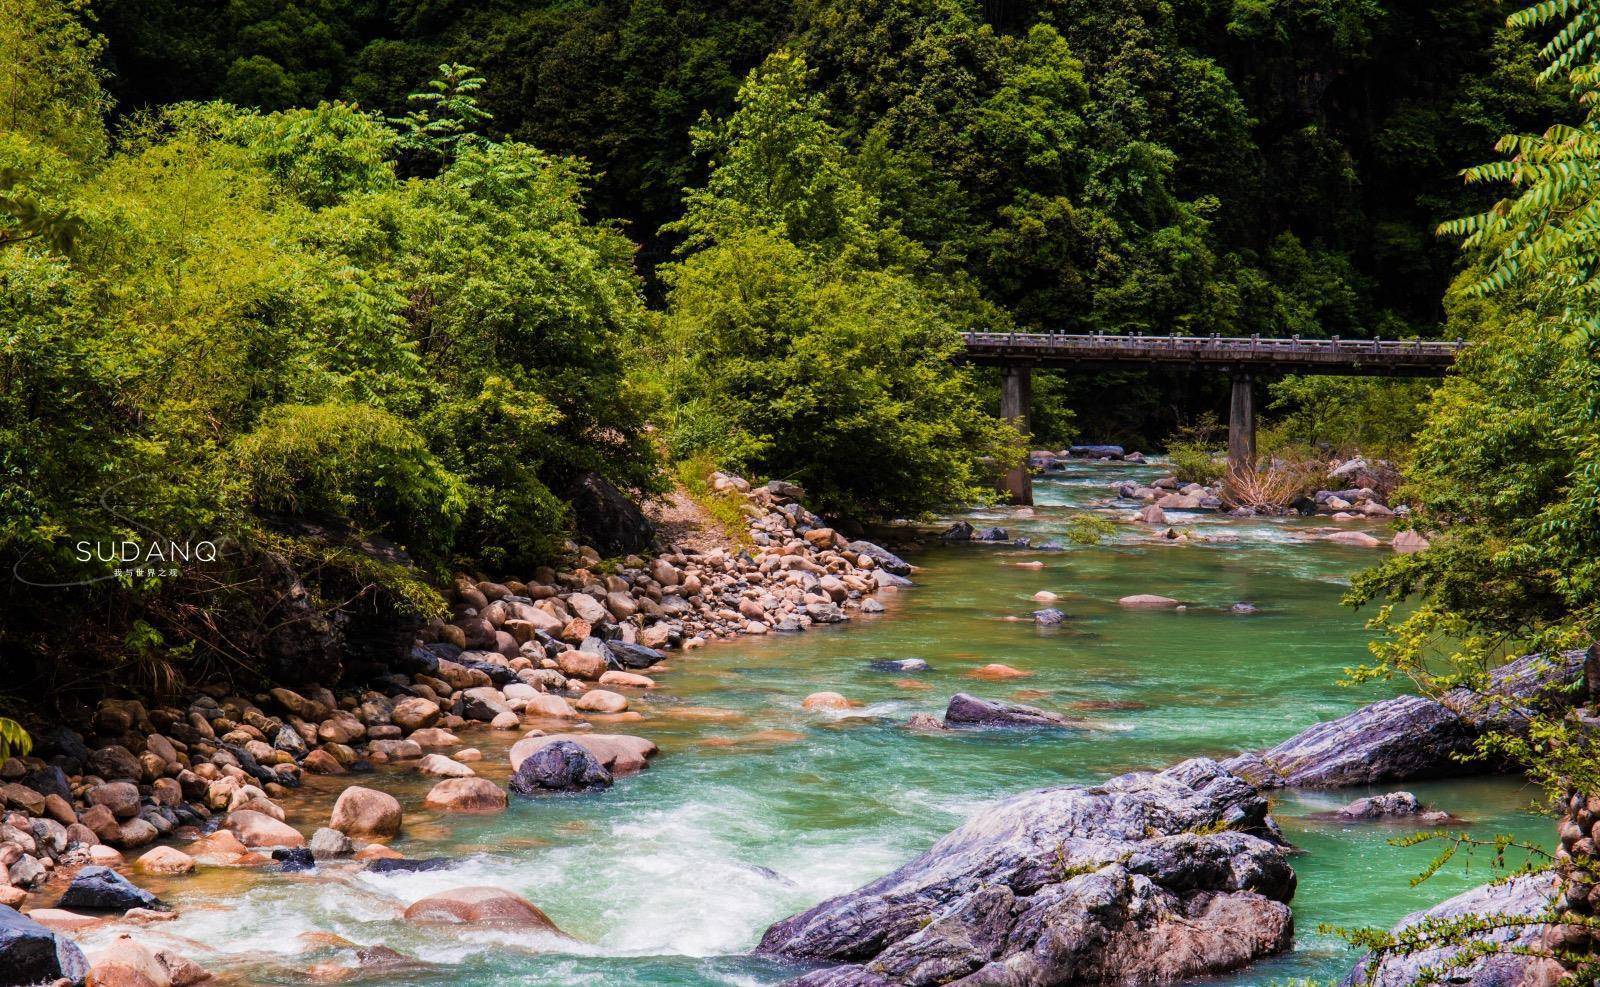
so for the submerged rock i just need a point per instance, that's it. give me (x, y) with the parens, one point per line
(1394, 805)
(402, 865)
(1147, 601)
(1148, 878)
(1526, 896)
(481, 906)
(1410, 737)
(1048, 617)
(969, 711)
(901, 665)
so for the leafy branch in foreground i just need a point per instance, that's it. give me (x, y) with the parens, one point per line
(1461, 941)
(1505, 476)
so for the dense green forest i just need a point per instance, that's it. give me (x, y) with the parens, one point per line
(1233, 166)
(303, 275)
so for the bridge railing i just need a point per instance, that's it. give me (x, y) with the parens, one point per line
(1192, 344)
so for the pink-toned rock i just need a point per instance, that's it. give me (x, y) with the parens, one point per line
(257, 829)
(581, 664)
(1152, 514)
(366, 813)
(396, 750)
(627, 679)
(439, 766)
(601, 701)
(126, 963)
(545, 704)
(1409, 542)
(223, 849)
(997, 671)
(103, 856)
(481, 906)
(415, 713)
(165, 860)
(320, 762)
(136, 833)
(618, 753)
(1358, 538)
(1148, 601)
(505, 721)
(341, 728)
(435, 737)
(61, 920)
(466, 795)
(825, 700)
(102, 823)
(183, 971)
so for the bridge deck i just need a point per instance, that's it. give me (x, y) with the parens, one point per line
(1357, 357)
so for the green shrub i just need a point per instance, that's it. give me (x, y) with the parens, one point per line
(352, 462)
(1195, 462)
(1192, 451)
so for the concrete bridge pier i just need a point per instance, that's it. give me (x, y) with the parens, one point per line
(1016, 397)
(1242, 424)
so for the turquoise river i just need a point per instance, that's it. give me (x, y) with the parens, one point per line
(756, 808)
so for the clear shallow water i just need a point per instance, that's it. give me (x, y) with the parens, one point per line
(756, 808)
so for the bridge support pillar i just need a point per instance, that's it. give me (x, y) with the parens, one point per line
(1016, 397)
(1242, 424)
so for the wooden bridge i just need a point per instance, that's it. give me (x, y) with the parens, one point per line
(1242, 358)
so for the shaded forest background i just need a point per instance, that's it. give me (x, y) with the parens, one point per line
(1196, 166)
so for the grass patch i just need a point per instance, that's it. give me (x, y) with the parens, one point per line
(724, 507)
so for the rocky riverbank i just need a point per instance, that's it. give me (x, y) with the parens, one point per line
(1152, 878)
(171, 789)
(543, 679)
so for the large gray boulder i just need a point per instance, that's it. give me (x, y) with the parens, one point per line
(1521, 897)
(1148, 878)
(1410, 737)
